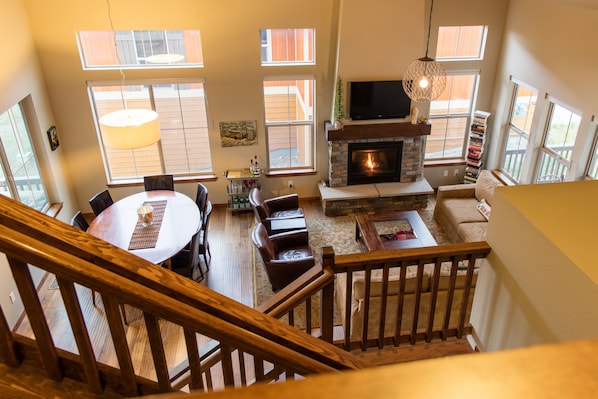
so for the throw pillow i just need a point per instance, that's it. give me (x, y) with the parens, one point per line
(484, 208)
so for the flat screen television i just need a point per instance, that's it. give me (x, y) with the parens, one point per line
(381, 99)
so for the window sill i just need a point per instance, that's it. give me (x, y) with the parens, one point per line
(54, 209)
(291, 172)
(184, 179)
(444, 162)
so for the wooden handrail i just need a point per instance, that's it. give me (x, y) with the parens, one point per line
(29, 237)
(321, 280)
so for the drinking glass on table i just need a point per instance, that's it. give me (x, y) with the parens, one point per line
(145, 214)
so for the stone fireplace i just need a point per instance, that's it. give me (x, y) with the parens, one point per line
(375, 168)
(410, 137)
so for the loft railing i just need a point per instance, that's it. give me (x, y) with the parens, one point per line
(393, 297)
(513, 162)
(221, 336)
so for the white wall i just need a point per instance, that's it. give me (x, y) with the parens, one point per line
(549, 46)
(540, 284)
(232, 72)
(21, 81)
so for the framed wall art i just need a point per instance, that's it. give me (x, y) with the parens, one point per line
(53, 138)
(238, 133)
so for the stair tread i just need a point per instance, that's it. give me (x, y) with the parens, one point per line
(419, 351)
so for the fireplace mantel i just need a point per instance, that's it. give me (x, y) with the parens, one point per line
(376, 131)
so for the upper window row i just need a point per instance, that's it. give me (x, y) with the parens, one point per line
(167, 48)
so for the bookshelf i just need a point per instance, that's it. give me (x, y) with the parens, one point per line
(475, 148)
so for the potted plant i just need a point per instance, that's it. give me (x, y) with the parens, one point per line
(339, 104)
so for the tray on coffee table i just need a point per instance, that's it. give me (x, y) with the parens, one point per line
(392, 230)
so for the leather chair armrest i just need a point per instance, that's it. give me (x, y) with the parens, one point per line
(295, 238)
(289, 201)
(302, 264)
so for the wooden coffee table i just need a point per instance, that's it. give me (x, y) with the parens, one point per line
(415, 233)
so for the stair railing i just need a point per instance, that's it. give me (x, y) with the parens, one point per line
(269, 348)
(409, 295)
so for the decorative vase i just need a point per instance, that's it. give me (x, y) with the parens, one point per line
(414, 114)
(338, 124)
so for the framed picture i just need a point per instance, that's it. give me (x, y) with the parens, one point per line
(53, 138)
(238, 133)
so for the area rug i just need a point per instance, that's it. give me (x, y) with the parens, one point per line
(339, 233)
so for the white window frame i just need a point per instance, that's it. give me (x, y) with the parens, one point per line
(127, 45)
(30, 190)
(155, 152)
(466, 114)
(563, 165)
(267, 46)
(511, 127)
(309, 145)
(592, 167)
(481, 46)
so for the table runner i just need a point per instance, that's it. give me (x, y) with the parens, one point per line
(146, 237)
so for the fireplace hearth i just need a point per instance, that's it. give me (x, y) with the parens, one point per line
(377, 162)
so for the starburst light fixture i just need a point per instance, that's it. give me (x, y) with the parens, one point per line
(425, 79)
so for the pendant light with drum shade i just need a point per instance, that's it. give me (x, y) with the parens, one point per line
(425, 79)
(128, 129)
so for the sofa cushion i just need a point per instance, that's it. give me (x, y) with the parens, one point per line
(461, 210)
(485, 185)
(471, 232)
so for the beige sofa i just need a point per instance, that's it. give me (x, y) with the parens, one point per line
(456, 208)
(358, 296)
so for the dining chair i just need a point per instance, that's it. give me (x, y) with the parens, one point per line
(186, 262)
(201, 199)
(100, 201)
(204, 244)
(159, 182)
(79, 221)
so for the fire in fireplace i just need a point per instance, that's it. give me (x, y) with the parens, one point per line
(374, 162)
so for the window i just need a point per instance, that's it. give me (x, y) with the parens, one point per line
(557, 145)
(20, 176)
(287, 46)
(523, 105)
(592, 171)
(450, 115)
(140, 48)
(184, 147)
(460, 43)
(289, 111)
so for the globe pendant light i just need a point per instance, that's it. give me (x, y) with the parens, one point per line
(425, 79)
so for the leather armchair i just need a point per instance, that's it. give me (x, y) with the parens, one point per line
(286, 256)
(283, 207)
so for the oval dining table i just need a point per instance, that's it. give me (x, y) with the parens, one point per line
(180, 222)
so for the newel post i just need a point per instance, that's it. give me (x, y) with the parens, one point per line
(327, 296)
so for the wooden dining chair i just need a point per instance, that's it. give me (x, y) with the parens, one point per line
(201, 199)
(186, 262)
(204, 244)
(79, 221)
(159, 182)
(100, 201)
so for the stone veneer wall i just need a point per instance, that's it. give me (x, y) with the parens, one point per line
(411, 163)
(378, 205)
